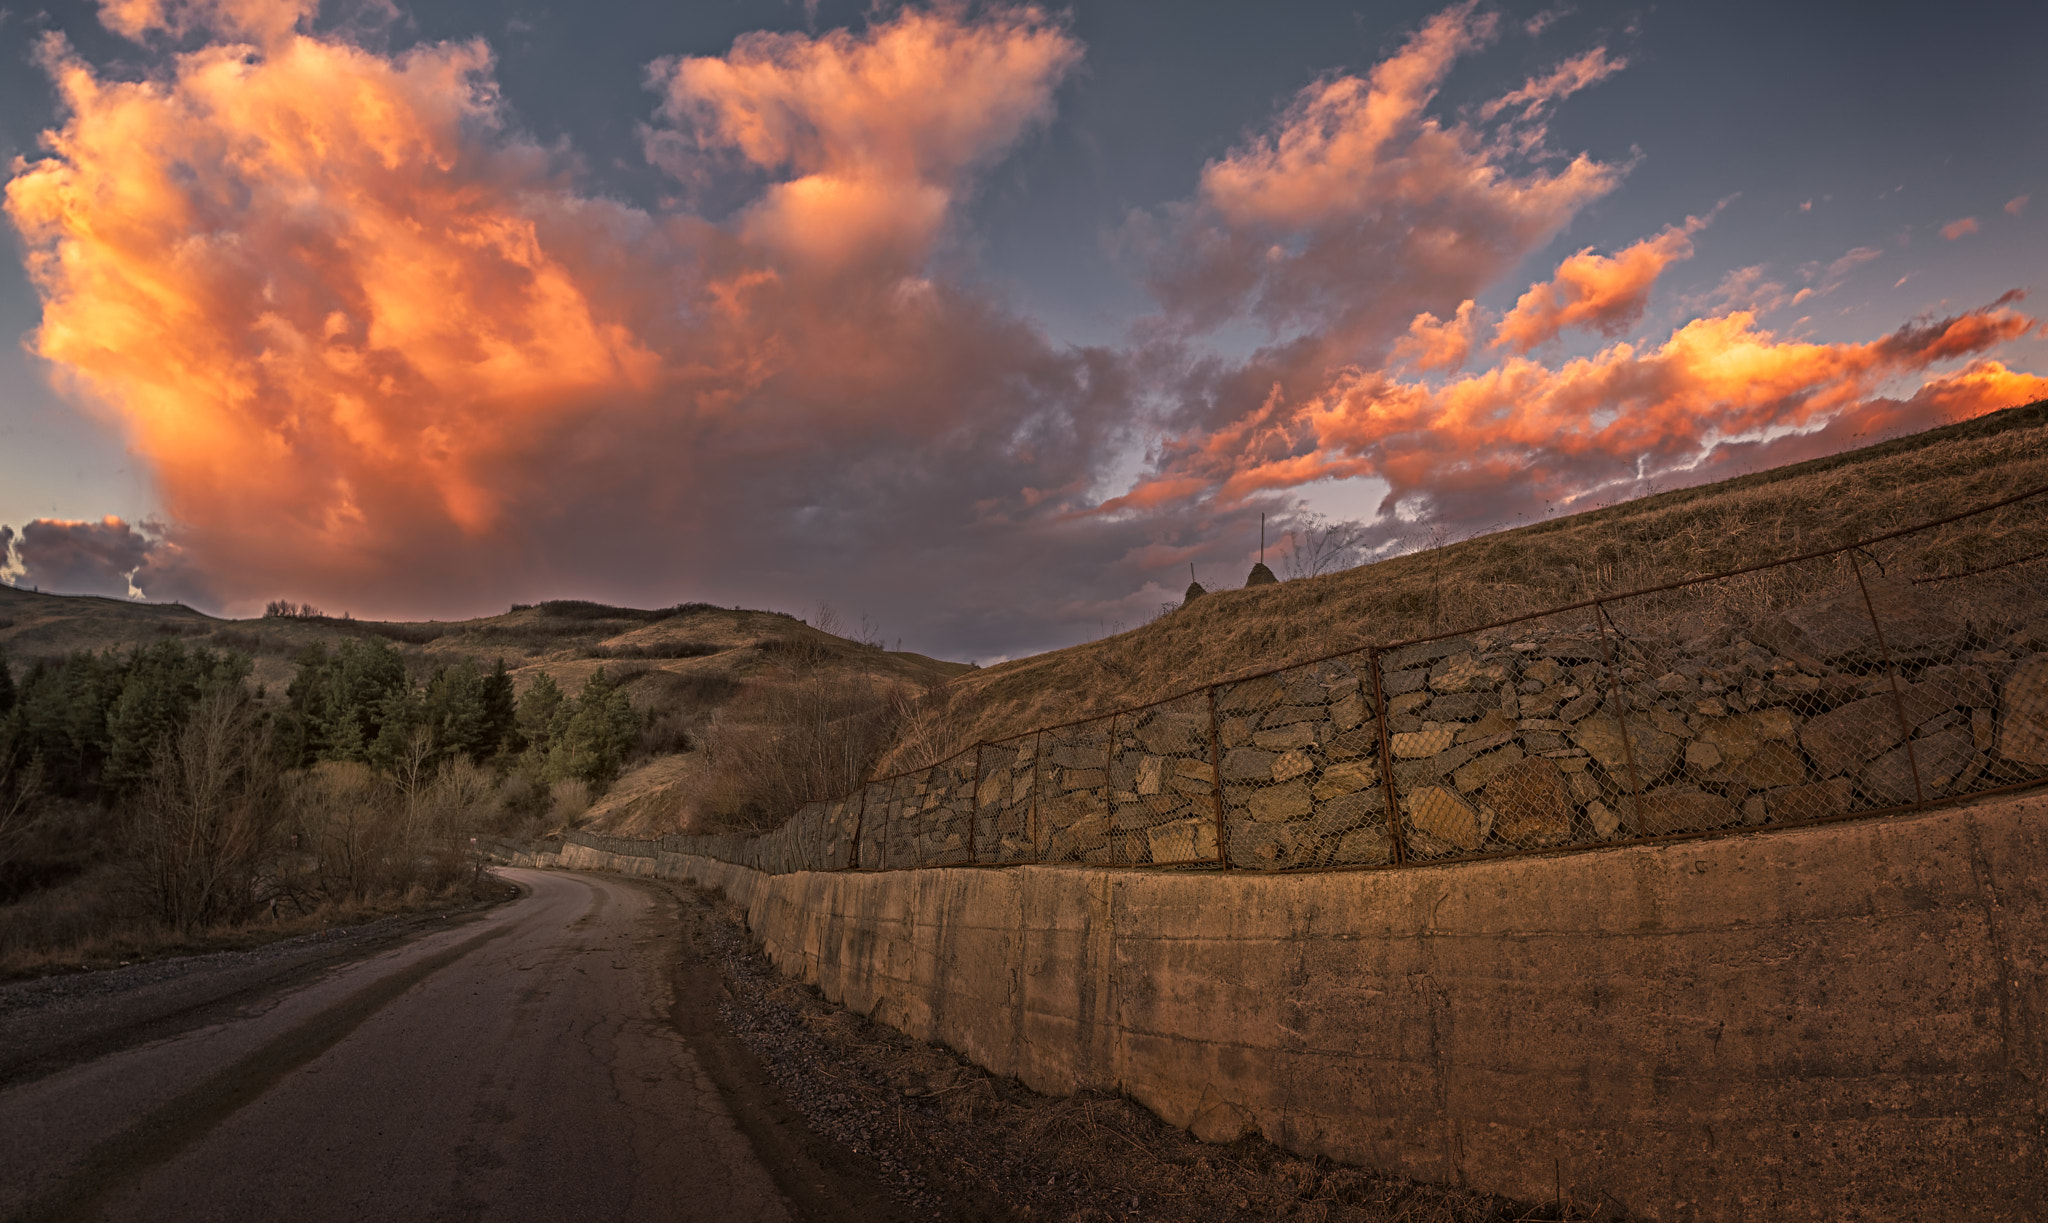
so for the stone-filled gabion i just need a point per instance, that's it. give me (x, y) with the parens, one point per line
(1760, 699)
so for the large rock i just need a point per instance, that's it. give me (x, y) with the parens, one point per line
(1280, 738)
(1439, 812)
(1654, 752)
(1844, 738)
(1531, 804)
(1278, 804)
(1286, 714)
(1666, 811)
(1420, 744)
(1188, 840)
(1815, 801)
(1477, 772)
(1938, 758)
(1363, 847)
(2023, 713)
(1348, 811)
(1261, 693)
(1167, 734)
(1267, 847)
(1771, 766)
(1291, 765)
(1248, 764)
(1465, 672)
(1346, 778)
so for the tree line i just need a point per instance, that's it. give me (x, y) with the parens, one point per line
(215, 801)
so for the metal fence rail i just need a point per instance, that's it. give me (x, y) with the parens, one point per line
(1906, 669)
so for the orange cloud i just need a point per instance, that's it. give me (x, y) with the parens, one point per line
(266, 22)
(1561, 429)
(1539, 94)
(1433, 343)
(880, 131)
(1956, 229)
(1355, 183)
(1595, 291)
(2017, 205)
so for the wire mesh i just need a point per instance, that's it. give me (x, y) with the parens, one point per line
(1072, 778)
(1003, 832)
(1301, 777)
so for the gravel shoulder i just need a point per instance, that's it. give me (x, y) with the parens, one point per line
(954, 1142)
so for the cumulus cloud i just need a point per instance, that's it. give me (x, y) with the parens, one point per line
(1956, 229)
(1602, 293)
(1437, 344)
(875, 135)
(1356, 183)
(108, 557)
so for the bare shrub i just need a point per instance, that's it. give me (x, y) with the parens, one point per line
(202, 820)
(790, 737)
(346, 818)
(568, 799)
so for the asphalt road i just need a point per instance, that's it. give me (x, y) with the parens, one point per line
(558, 1058)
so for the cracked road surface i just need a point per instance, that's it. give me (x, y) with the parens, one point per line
(554, 1059)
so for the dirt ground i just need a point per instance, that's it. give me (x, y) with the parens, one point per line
(955, 1142)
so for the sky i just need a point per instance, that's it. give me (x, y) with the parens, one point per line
(984, 321)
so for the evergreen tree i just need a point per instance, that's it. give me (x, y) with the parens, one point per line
(339, 702)
(501, 713)
(455, 713)
(592, 734)
(159, 686)
(537, 712)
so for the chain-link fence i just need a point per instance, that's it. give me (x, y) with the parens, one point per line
(1908, 669)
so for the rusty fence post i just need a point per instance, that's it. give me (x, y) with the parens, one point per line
(860, 820)
(1628, 747)
(1109, 755)
(974, 811)
(1379, 712)
(1037, 784)
(1216, 782)
(1891, 671)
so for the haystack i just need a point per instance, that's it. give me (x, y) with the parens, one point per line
(1261, 576)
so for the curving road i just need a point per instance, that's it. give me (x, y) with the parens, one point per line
(546, 1061)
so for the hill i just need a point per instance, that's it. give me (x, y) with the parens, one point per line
(1666, 537)
(683, 668)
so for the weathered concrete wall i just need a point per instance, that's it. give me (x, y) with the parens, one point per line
(1842, 1022)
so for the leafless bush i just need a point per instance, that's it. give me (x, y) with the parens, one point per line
(791, 737)
(1316, 546)
(202, 821)
(568, 799)
(360, 833)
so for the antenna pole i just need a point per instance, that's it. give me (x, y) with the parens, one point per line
(1262, 539)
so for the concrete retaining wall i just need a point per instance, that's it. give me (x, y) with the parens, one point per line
(1840, 1022)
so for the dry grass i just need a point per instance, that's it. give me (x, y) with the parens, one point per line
(1661, 538)
(90, 923)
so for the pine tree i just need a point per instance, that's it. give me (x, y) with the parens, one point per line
(537, 712)
(593, 733)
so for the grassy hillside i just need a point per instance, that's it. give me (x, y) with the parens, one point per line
(682, 667)
(1687, 533)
